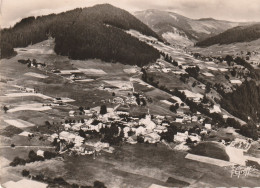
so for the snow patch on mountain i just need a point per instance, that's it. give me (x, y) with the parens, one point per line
(176, 38)
(173, 16)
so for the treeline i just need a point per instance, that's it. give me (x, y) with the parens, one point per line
(59, 181)
(241, 100)
(237, 34)
(94, 32)
(33, 157)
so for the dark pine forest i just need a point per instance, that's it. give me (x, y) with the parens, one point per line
(95, 32)
(233, 35)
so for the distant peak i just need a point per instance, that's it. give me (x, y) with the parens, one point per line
(105, 5)
(207, 19)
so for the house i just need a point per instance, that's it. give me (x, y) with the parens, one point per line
(181, 137)
(71, 113)
(69, 137)
(126, 130)
(225, 116)
(196, 97)
(77, 126)
(167, 102)
(152, 137)
(52, 137)
(180, 112)
(202, 86)
(160, 129)
(140, 131)
(166, 70)
(67, 126)
(179, 120)
(194, 137)
(207, 126)
(235, 82)
(194, 118)
(40, 153)
(24, 183)
(78, 140)
(131, 100)
(215, 109)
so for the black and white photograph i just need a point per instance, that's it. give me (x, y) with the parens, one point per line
(129, 93)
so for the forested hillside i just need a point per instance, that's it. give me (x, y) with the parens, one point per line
(237, 34)
(95, 32)
(244, 102)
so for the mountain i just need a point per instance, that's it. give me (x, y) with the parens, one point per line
(177, 28)
(237, 34)
(94, 32)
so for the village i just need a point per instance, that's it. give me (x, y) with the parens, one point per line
(90, 112)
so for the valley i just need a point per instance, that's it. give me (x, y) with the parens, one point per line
(148, 109)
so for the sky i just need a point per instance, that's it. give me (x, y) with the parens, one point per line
(12, 11)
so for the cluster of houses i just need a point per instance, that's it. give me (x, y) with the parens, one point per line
(159, 66)
(27, 90)
(32, 63)
(149, 128)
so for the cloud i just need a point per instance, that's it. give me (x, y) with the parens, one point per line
(235, 10)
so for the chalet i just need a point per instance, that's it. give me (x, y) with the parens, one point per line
(194, 118)
(179, 119)
(208, 126)
(140, 131)
(225, 116)
(69, 137)
(180, 111)
(215, 109)
(202, 86)
(152, 138)
(235, 82)
(166, 70)
(72, 113)
(181, 137)
(40, 153)
(67, 126)
(77, 126)
(53, 136)
(160, 129)
(196, 97)
(194, 137)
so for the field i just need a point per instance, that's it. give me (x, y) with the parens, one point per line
(137, 166)
(210, 149)
(134, 166)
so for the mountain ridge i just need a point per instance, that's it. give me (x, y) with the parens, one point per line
(83, 33)
(236, 34)
(193, 29)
